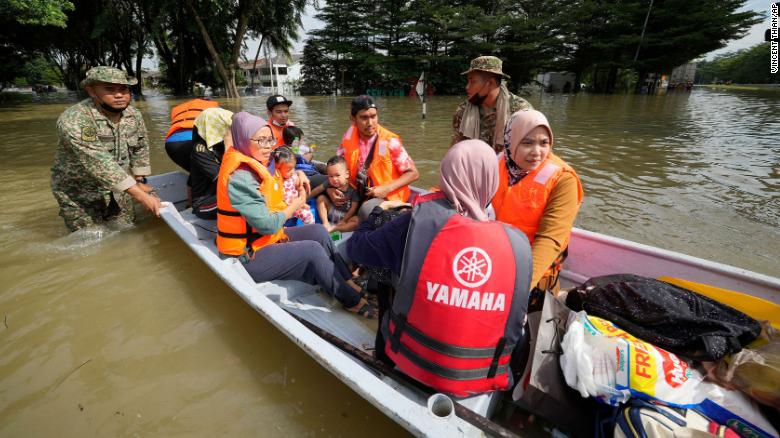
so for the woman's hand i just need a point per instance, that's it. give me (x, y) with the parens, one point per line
(303, 181)
(386, 205)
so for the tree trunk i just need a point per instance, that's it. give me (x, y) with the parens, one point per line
(227, 79)
(611, 79)
(254, 65)
(139, 58)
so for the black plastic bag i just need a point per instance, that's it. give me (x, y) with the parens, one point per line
(665, 315)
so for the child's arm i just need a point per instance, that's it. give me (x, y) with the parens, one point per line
(351, 212)
(322, 210)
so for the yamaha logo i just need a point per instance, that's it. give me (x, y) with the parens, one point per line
(472, 267)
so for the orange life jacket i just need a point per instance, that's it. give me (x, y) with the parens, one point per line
(523, 204)
(382, 170)
(183, 116)
(278, 132)
(234, 235)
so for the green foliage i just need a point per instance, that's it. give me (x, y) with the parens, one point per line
(37, 12)
(747, 66)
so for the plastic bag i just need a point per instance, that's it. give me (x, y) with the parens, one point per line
(755, 370)
(603, 361)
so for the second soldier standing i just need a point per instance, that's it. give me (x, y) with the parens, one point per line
(484, 113)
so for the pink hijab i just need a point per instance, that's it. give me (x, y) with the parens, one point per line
(519, 125)
(469, 177)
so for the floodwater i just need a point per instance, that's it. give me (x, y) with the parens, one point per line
(127, 333)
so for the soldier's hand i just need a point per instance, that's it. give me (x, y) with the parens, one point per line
(148, 201)
(145, 187)
(153, 204)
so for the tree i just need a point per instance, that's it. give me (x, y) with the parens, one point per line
(236, 16)
(317, 71)
(37, 12)
(277, 27)
(747, 66)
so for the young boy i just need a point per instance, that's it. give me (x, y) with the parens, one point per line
(284, 160)
(341, 217)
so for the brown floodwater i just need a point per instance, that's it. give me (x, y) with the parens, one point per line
(126, 333)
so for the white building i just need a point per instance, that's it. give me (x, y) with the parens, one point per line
(683, 74)
(283, 78)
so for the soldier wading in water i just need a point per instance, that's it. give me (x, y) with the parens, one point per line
(102, 157)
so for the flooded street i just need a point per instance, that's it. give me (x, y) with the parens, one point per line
(127, 333)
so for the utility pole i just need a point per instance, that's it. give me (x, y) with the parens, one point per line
(642, 37)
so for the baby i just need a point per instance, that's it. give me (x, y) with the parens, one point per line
(339, 217)
(284, 160)
(293, 139)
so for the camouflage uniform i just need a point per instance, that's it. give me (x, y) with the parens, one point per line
(487, 117)
(487, 120)
(96, 160)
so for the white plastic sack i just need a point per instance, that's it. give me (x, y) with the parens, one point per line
(601, 360)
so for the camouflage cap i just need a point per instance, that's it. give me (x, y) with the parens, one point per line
(112, 75)
(490, 64)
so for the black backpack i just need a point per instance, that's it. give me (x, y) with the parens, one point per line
(667, 316)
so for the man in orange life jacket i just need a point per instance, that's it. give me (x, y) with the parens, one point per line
(278, 116)
(178, 139)
(379, 166)
(462, 280)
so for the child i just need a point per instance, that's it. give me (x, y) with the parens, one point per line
(341, 217)
(293, 139)
(284, 160)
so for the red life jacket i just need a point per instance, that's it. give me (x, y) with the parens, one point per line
(460, 301)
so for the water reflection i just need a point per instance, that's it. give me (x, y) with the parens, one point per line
(121, 333)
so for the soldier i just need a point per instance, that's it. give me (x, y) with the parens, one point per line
(102, 157)
(483, 115)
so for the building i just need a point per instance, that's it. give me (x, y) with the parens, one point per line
(683, 74)
(282, 76)
(557, 82)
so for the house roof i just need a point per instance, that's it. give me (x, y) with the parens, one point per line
(277, 60)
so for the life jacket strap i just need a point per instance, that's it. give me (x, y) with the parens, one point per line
(395, 336)
(421, 338)
(227, 213)
(451, 373)
(496, 356)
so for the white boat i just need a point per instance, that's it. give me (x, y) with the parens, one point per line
(296, 308)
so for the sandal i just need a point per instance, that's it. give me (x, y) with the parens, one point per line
(372, 299)
(367, 310)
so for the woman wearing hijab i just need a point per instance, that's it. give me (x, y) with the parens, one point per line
(212, 128)
(538, 193)
(251, 213)
(462, 280)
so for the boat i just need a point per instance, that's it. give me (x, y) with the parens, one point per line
(342, 342)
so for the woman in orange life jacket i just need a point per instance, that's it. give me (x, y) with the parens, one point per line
(538, 193)
(251, 213)
(461, 281)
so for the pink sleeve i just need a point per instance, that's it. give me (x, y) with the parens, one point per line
(401, 160)
(340, 151)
